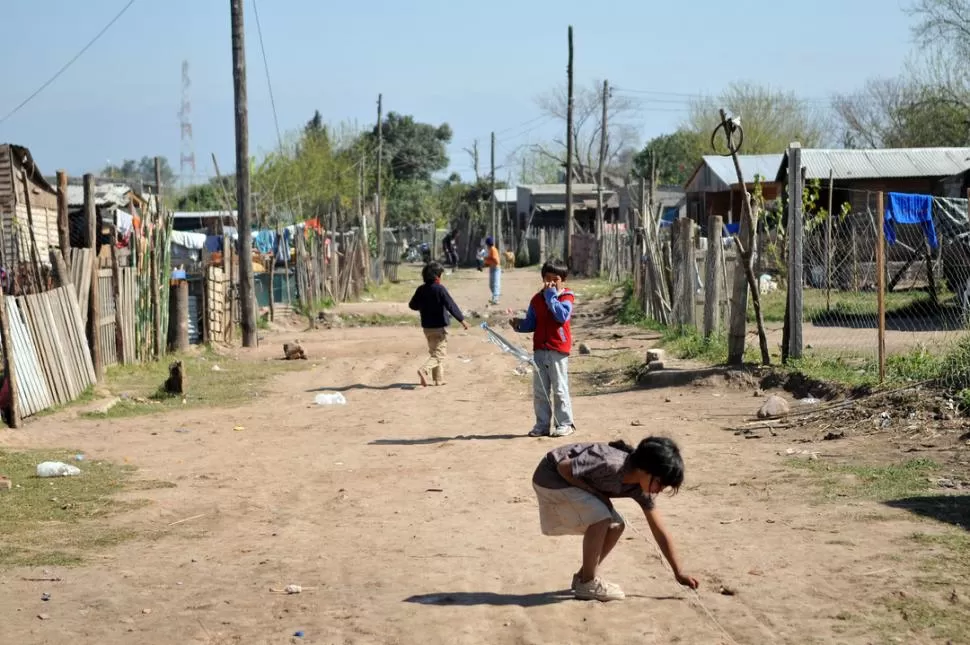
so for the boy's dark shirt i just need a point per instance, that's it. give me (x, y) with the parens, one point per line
(435, 303)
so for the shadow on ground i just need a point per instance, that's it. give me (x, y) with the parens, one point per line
(431, 440)
(361, 386)
(471, 598)
(952, 509)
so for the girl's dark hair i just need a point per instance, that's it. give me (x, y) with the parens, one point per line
(657, 456)
(555, 267)
(431, 272)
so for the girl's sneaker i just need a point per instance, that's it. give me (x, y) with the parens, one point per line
(538, 432)
(561, 431)
(599, 589)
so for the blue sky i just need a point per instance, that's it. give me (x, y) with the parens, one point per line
(477, 66)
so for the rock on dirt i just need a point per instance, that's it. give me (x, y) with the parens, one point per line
(655, 355)
(774, 406)
(655, 366)
(584, 349)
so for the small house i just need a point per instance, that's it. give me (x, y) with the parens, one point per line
(713, 188)
(25, 198)
(544, 206)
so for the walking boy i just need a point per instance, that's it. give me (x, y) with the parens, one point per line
(548, 318)
(494, 265)
(435, 304)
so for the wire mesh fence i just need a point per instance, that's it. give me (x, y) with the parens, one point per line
(923, 292)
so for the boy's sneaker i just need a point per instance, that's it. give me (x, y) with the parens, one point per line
(577, 580)
(538, 432)
(599, 589)
(562, 431)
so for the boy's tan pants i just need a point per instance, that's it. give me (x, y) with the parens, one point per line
(437, 348)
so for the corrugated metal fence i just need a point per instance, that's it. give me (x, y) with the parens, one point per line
(50, 351)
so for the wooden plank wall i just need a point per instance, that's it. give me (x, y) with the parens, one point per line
(50, 349)
(106, 322)
(217, 304)
(81, 277)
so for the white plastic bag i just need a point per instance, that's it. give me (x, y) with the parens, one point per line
(331, 398)
(57, 469)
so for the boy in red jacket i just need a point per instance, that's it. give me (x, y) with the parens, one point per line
(548, 318)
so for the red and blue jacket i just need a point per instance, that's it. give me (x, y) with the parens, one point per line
(548, 318)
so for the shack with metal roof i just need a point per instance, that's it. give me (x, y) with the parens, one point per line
(22, 184)
(713, 187)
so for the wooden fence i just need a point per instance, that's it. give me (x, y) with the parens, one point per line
(52, 362)
(218, 310)
(80, 269)
(117, 346)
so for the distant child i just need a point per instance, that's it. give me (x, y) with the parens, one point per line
(575, 486)
(480, 258)
(435, 304)
(494, 265)
(548, 317)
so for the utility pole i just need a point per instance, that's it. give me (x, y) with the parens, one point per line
(496, 228)
(379, 215)
(569, 154)
(247, 303)
(600, 208)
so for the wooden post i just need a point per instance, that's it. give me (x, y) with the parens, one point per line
(688, 268)
(600, 208)
(34, 255)
(379, 200)
(796, 263)
(272, 278)
(178, 317)
(94, 304)
(116, 292)
(247, 300)
(154, 268)
(745, 245)
(881, 283)
(712, 277)
(496, 229)
(63, 217)
(14, 419)
(828, 245)
(568, 259)
(334, 260)
(642, 215)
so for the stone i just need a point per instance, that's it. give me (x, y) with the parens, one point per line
(774, 406)
(655, 366)
(655, 355)
(584, 349)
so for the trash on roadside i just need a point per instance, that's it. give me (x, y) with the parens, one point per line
(57, 469)
(330, 398)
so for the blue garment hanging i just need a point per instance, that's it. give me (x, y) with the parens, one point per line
(265, 241)
(903, 208)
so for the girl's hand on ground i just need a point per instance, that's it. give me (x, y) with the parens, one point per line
(687, 581)
(465, 325)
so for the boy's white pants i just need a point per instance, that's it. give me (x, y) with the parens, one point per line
(550, 382)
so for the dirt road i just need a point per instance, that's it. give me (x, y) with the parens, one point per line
(407, 515)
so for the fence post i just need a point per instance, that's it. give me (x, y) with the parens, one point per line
(712, 275)
(94, 305)
(116, 293)
(796, 265)
(178, 320)
(63, 220)
(881, 283)
(9, 363)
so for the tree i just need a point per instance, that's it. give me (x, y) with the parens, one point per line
(413, 150)
(621, 133)
(771, 120)
(210, 196)
(903, 113)
(535, 166)
(143, 170)
(675, 155)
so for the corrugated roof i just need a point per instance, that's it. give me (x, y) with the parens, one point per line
(104, 194)
(505, 195)
(884, 163)
(201, 214)
(559, 189)
(765, 166)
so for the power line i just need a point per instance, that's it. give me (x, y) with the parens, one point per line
(69, 63)
(272, 100)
